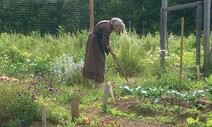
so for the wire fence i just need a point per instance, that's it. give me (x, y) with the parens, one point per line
(44, 16)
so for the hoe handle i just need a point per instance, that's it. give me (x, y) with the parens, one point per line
(122, 70)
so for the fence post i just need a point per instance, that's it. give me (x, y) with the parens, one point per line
(207, 6)
(181, 54)
(198, 37)
(43, 111)
(74, 107)
(91, 13)
(163, 32)
(106, 93)
(130, 28)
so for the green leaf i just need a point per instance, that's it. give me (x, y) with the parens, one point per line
(143, 91)
(210, 80)
(209, 95)
(128, 90)
(190, 120)
(209, 123)
(157, 100)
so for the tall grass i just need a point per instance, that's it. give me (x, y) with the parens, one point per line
(139, 55)
(16, 106)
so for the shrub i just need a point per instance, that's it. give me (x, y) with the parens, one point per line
(20, 53)
(67, 70)
(130, 50)
(191, 122)
(169, 81)
(16, 107)
(37, 65)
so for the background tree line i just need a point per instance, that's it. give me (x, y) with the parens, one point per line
(25, 16)
(144, 15)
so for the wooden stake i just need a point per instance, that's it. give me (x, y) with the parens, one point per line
(74, 108)
(111, 92)
(207, 11)
(43, 110)
(106, 93)
(108, 89)
(198, 72)
(163, 33)
(198, 37)
(181, 54)
(91, 13)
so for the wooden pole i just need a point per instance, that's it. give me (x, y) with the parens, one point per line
(162, 55)
(165, 28)
(129, 26)
(163, 32)
(181, 54)
(74, 108)
(43, 111)
(111, 92)
(198, 37)
(182, 6)
(91, 13)
(207, 8)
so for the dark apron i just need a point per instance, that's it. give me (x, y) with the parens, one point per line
(99, 40)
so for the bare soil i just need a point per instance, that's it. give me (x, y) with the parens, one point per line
(130, 106)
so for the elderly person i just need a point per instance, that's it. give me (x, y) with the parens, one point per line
(97, 46)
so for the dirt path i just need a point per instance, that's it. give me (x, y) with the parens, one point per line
(106, 120)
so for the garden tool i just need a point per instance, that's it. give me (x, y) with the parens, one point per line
(123, 72)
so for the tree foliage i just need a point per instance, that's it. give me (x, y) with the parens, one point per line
(145, 14)
(24, 16)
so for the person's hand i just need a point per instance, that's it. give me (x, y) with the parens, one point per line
(114, 55)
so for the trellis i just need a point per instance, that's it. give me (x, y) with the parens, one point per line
(200, 5)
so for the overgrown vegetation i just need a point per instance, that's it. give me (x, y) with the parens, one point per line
(46, 71)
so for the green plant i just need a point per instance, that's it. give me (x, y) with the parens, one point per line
(209, 119)
(55, 113)
(209, 123)
(119, 113)
(209, 93)
(116, 112)
(61, 30)
(191, 122)
(67, 69)
(165, 119)
(145, 107)
(209, 80)
(169, 81)
(141, 93)
(89, 96)
(129, 50)
(16, 106)
(190, 97)
(155, 94)
(150, 92)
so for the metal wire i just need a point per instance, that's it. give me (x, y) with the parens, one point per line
(44, 16)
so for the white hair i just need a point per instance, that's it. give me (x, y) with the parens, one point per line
(118, 22)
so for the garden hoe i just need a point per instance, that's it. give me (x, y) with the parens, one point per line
(123, 72)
